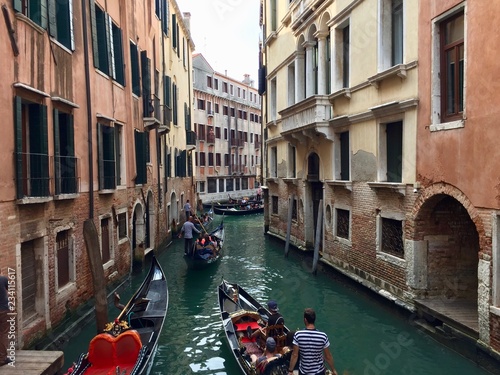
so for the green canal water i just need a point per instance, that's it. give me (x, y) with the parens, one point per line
(367, 337)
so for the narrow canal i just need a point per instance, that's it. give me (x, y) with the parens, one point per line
(367, 337)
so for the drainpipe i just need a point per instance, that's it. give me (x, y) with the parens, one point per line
(89, 109)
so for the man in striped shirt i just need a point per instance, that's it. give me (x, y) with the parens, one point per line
(313, 346)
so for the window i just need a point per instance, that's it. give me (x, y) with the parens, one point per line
(34, 10)
(32, 276)
(391, 31)
(392, 237)
(273, 15)
(64, 251)
(218, 161)
(224, 87)
(342, 55)
(224, 110)
(273, 159)
(217, 132)
(291, 84)
(107, 44)
(452, 67)
(294, 210)
(201, 104)
(292, 162)
(141, 156)
(273, 100)
(110, 156)
(122, 225)
(209, 81)
(174, 103)
(229, 184)
(202, 159)
(210, 159)
(342, 157)
(392, 152)
(221, 185)
(216, 84)
(65, 163)
(212, 185)
(231, 89)
(31, 149)
(61, 22)
(134, 66)
(342, 223)
(105, 240)
(345, 56)
(274, 204)
(216, 105)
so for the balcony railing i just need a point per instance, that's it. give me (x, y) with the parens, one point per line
(66, 177)
(190, 139)
(107, 175)
(237, 142)
(32, 172)
(309, 115)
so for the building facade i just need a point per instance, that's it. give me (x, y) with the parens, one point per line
(227, 118)
(373, 152)
(96, 105)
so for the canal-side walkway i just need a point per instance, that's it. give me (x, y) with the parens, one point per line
(35, 362)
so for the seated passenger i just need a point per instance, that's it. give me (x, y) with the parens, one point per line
(269, 355)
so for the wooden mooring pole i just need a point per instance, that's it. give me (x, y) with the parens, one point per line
(319, 226)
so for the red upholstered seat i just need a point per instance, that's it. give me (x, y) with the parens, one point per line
(107, 352)
(243, 326)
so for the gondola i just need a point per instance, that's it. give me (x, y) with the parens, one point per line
(227, 204)
(239, 211)
(241, 316)
(207, 250)
(128, 345)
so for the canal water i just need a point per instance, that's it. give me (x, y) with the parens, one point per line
(367, 337)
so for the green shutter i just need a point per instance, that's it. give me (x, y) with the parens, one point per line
(344, 156)
(100, 164)
(118, 152)
(174, 31)
(18, 133)
(394, 133)
(71, 26)
(108, 25)
(57, 151)
(95, 43)
(118, 51)
(139, 157)
(146, 83)
(52, 18)
(43, 13)
(18, 5)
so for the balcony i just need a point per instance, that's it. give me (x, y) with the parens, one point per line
(32, 175)
(211, 137)
(307, 119)
(190, 140)
(152, 112)
(236, 142)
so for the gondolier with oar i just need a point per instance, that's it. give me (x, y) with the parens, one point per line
(188, 228)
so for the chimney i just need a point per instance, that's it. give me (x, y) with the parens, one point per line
(187, 20)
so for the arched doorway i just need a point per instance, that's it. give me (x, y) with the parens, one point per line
(313, 196)
(138, 226)
(173, 211)
(449, 267)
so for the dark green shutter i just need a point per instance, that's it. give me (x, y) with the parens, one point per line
(108, 26)
(174, 103)
(118, 48)
(18, 5)
(189, 164)
(100, 164)
(174, 31)
(95, 43)
(43, 13)
(57, 151)
(18, 131)
(140, 158)
(394, 133)
(108, 151)
(118, 151)
(71, 184)
(165, 17)
(52, 18)
(344, 156)
(146, 83)
(134, 64)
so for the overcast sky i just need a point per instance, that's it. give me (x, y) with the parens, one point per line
(227, 33)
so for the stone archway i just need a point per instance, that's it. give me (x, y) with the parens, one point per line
(443, 269)
(173, 212)
(138, 230)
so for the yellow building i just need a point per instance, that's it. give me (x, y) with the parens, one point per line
(340, 114)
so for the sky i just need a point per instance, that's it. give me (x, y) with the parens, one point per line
(226, 33)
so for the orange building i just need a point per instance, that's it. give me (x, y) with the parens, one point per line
(96, 108)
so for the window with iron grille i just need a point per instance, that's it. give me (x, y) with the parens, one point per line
(392, 237)
(274, 204)
(65, 162)
(342, 226)
(63, 258)
(122, 225)
(229, 184)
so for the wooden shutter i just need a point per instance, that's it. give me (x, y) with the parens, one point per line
(146, 83)
(344, 156)
(134, 64)
(52, 18)
(95, 43)
(394, 133)
(57, 151)
(71, 26)
(18, 5)
(110, 49)
(100, 164)
(118, 55)
(18, 131)
(140, 158)
(174, 31)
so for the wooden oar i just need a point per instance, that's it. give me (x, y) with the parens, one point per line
(201, 224)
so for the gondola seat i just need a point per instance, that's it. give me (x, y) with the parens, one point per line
(107, 353)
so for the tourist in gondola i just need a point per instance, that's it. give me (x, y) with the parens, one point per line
(314, 348)
(188, 228)
(269, 355)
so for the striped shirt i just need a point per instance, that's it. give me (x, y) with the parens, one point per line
(311, 344)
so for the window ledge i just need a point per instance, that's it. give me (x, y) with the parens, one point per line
(495, 310)
(34, 200)
(395, 186)
(61, 197)
(447, 125)
(346, 92)
(340, 183)
(66, 291)
(106, 191)
(108, 264)
(400, 70)
(397, 261)
(290, 180)
(272, 123)
(122, 240)
(343, 241)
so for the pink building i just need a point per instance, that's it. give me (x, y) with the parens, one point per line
(92, 101)
(456, 215)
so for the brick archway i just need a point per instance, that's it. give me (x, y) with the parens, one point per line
(447, 227)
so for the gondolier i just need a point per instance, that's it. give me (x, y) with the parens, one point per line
(187, 209)
(188, 228)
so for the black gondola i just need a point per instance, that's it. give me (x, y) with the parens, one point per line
(128, 344)
(241, 316)
(239, 211)
(207, 250)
